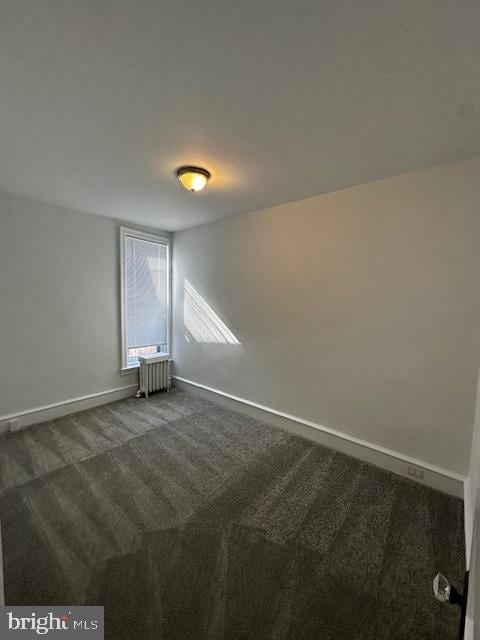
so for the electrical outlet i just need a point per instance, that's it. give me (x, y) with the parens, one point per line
(415, 472)
(13, 424)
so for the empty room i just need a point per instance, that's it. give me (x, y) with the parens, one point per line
(240, 319)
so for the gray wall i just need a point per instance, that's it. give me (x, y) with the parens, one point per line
(358, 310)
(59, 304)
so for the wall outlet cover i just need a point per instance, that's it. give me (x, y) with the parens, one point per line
(416, 472)
(13, 424)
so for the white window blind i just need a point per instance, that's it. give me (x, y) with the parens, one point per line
(145, 295)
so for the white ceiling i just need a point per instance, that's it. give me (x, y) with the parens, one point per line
(102, 99)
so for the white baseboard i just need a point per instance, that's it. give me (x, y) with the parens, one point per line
(65, 407)
(434, 477)
(468, 520)
(2, 581)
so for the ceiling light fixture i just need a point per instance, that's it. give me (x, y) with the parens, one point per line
(193, 178)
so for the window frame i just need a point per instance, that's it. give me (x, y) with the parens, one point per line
(138, 234)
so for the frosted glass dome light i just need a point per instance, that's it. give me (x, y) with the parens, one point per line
(193, 178)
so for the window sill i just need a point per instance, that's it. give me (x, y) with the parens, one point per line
(128, 371)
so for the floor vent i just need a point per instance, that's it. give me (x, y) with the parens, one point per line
(154, 373)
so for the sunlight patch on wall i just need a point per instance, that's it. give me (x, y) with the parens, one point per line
(202, 324)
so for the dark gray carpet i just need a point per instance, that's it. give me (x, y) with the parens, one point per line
(190, 521)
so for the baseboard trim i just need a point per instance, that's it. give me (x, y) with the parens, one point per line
(2, 580)
(434, 477)
(65, 407)
(467, 520)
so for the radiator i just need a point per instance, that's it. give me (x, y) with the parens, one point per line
(154, 373)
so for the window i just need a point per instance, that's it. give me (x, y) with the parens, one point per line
(145, 264)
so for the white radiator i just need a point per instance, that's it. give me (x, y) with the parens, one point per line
(154, 373)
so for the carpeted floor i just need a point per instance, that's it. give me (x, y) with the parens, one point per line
(190, 521)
